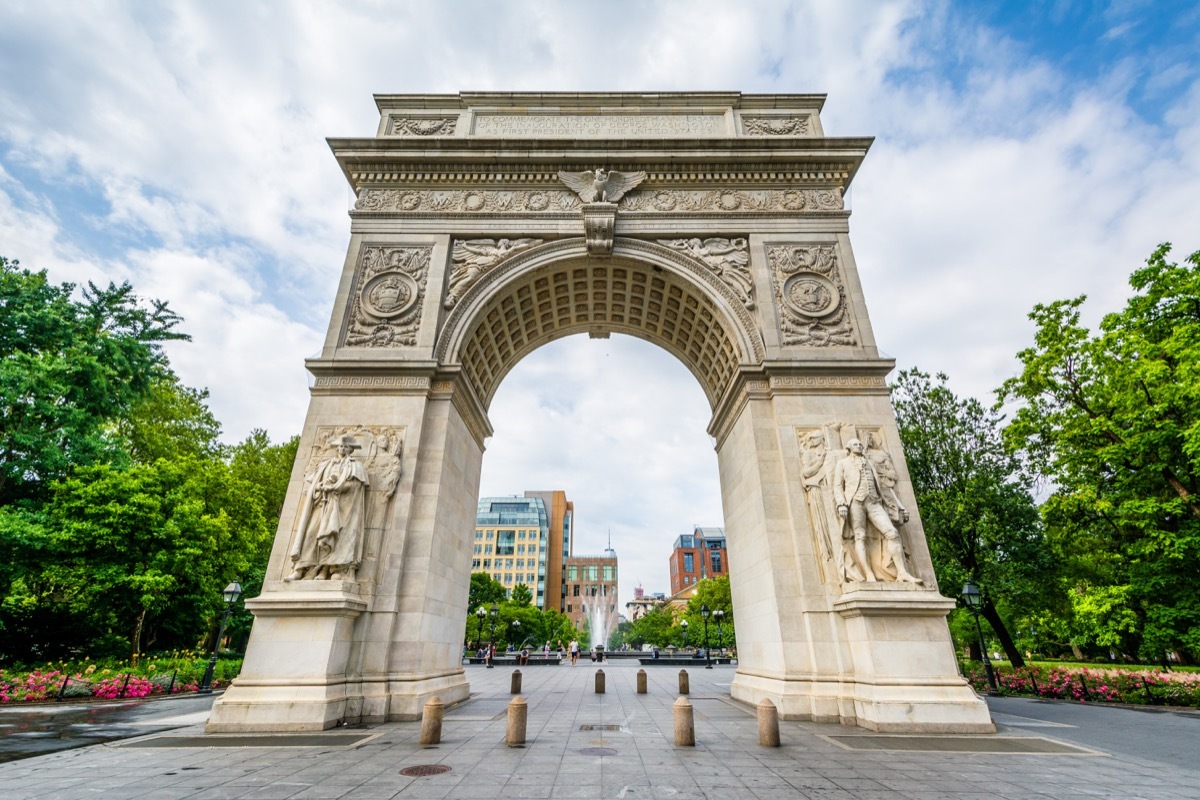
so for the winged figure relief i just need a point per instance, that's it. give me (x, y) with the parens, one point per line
(601, 185)
(473, 257)
(728, 258)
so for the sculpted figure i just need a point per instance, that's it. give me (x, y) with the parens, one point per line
(601, 185)
(727, 258)
(814, 472)
(472, 258)
(859, 493)
(331, 526)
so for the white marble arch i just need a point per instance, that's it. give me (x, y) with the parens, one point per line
(787, 362)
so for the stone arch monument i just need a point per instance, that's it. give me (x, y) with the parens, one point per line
(711, 224)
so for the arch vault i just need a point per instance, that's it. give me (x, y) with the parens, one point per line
(487, 225)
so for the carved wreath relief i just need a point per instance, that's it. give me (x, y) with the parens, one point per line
(730, 200)
(349, 481)
(388, 287)
(423, 126)
(483, 201)
(727, 258)
(470, 258)
(809, 293)
(775, 126)
(849, 482)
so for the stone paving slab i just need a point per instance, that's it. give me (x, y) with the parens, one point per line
(727, 761)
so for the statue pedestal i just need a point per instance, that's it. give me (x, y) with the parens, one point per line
(294, 675)
(905, 675)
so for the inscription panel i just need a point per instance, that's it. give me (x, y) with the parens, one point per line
(600, 125)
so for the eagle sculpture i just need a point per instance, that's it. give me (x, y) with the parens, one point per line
(601, 185)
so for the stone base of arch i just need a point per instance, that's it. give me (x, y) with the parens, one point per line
(903, 678)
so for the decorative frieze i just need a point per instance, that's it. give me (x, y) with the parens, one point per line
(727, 258)
(623, 125)
(422, 126)
(370, 382)
(809, 293)
(775, 126)
(386, 300)
(481, 201)
(734, 200)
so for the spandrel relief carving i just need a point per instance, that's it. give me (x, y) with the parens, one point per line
(472, 257)
(349, 483)
(388, 287)
(813, 310)
(728, 258)
(857, 517)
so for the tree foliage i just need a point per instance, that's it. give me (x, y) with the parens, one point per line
(979, 515)
(1112, 418)
(69, 368)
(122, 517)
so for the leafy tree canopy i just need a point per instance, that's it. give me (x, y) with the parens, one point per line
(1112, 418)
(67, 368)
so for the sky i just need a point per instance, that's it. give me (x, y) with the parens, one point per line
(1023, 153)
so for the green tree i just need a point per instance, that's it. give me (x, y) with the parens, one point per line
(169, 421)
(1112, 418)
(67, 369)
(484, 591)
(522, 595)
(980, 518)
(654, 628)
(714, 593)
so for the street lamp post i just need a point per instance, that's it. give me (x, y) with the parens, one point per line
(513, 637)
(683, 625)
(719, 615)
(974, 600)
(231, 594)
(492, 642)
(480, 613)
(704, 612)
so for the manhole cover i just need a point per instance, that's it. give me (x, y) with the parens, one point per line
(597, 751)
(424, 770)
(599, 727)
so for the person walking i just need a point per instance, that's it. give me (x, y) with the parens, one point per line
(574, 652)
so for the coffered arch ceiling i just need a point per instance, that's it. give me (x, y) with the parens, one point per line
(556, 290)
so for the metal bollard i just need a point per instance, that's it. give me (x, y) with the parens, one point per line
(431, 721)
(518, 713)
(514, 685)
(684, 684)
(685, 725)
(768, 724)
(599, 681)
(641, 681)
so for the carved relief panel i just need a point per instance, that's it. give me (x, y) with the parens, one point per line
(385, 305)
(810, 295)
(349, 482)
(471, 258)
(856, 515)
(728, 259)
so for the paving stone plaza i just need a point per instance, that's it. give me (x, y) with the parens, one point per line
(581, 744)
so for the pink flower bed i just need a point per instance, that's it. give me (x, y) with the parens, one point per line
(1094, 685)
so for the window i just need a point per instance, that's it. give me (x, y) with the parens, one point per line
(478, 536)
(593, 572)
(520, 548)
(716, 560)
(521, 535)
(475, 564)
(490, 534)
(568, 608)
(487, 563)
(520, 563)
(576, 592)
(517, 507)
(487, 548)
(506, 542)
(572, 573)
(689, 563)
(529, 576)
(478, 549)
(608, 572)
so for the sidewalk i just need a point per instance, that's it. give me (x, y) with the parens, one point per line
(628, 752)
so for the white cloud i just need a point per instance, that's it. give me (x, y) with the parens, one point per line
(997, 180)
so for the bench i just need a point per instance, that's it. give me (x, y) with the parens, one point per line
(510, 660)
(688, 661)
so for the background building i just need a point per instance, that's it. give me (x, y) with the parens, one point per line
(512, 543)
(591, 592)
(641, 603)
(696, 556)
(560, 513)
